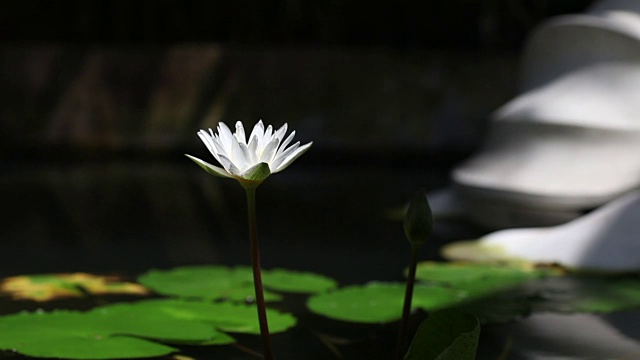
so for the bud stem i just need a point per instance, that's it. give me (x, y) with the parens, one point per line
(408, 295)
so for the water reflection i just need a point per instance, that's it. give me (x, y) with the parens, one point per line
(129, 217)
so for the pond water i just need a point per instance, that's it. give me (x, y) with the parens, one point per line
(114, 217)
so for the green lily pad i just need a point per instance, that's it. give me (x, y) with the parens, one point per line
(446, 335)
(493, 292)
(563, 294)
(131, 330)
(225, 316)
(441, 285)
(297, 281)
(205, 282)
(236, 284)
(95, 335)
(478, 279)
(379, 302)
(593, 294)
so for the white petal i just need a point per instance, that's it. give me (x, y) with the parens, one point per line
(253, 147)
(250, 156)
(240, 136)
(229, 166)
(208, 142)
(268, 133)
(280, 133)
(285, 143)
(301, 150)
(269, 151)
(258, 130)
(282, 155)
(237, 156)
(214, 136)
(225, 136)
(211, 169)
(219, 149)
(265, 139)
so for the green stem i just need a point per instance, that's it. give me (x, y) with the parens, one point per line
(257, 276)
(406, 310)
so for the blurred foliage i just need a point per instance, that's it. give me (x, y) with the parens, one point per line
(155, 98)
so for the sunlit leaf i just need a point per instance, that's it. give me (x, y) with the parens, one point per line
(95, 335)
(225, 316)
(446, 335)
(297, 281)
(455, 273)
(379, 302)
(236, 284)
(131, 330)
(441, 285)
(207, 282)
(52, 286)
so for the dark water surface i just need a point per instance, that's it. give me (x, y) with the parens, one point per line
(129, 217)
(114, 217)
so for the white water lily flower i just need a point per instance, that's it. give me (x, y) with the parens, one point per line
(264, 154)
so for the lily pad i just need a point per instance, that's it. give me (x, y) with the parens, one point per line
(379, 302)
(224, 316)
(131, 330)
(94, 335)
(53, 286)
(478, 280)
(235, 284)
(563, 294)
(493, 292)
(205, 282)
(474, 287)
(446, 335)
(593, 294)
(297, 281)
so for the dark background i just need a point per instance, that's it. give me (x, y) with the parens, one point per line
(137, 77)
(440, 24)
(101, 99)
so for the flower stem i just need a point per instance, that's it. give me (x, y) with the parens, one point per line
(408, 295)
(257, 275)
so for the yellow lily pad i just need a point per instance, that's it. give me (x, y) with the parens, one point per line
(53, 286)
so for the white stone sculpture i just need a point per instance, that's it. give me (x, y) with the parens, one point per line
(570, 142)
(607, 239)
